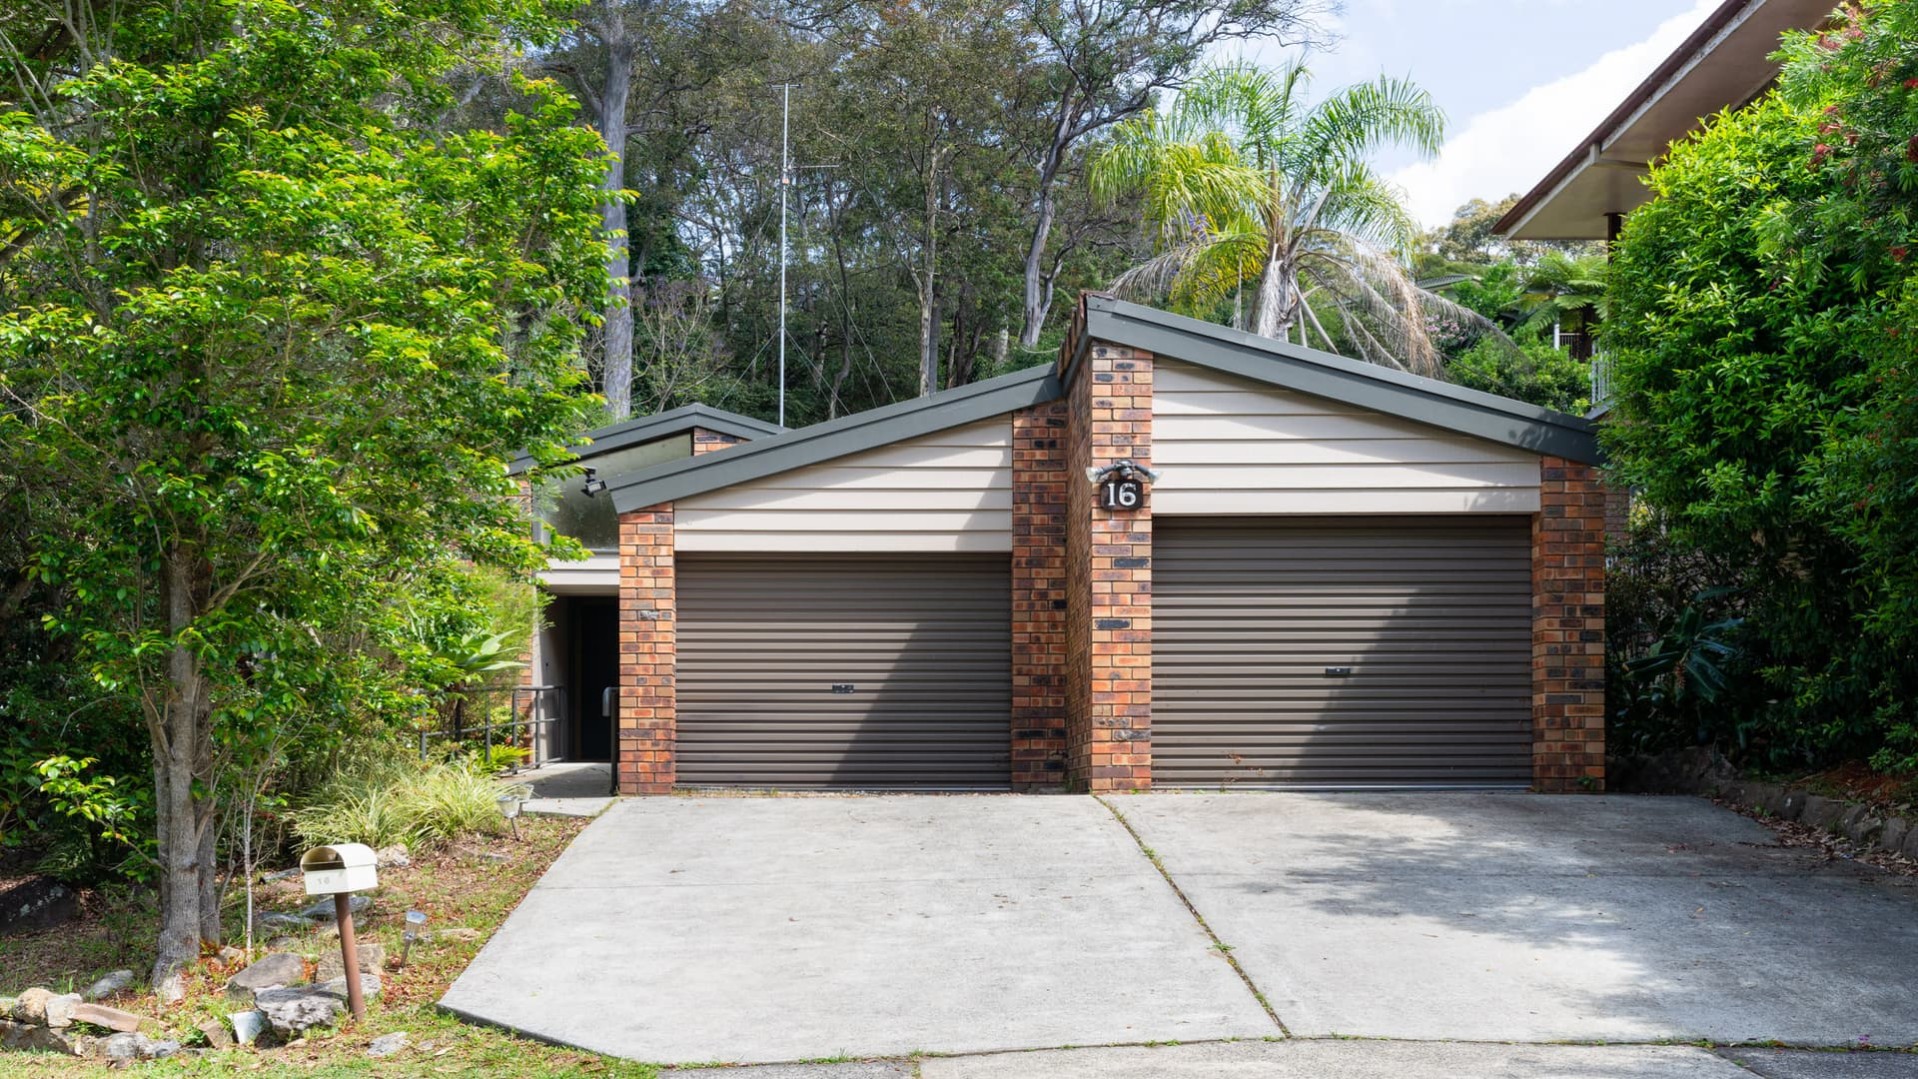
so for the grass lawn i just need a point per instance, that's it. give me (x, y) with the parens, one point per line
(474, 883)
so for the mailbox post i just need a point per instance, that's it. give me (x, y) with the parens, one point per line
(339, 871)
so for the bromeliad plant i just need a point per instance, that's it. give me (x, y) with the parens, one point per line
(1267, 201)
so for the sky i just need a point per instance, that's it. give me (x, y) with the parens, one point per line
(1521, 81)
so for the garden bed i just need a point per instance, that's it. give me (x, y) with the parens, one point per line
(469, 886)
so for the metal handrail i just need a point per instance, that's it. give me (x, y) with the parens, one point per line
(545, 705)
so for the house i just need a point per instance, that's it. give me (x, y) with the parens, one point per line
(1179, 556)
(1725, 63)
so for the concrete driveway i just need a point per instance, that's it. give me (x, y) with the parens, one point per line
(707, 929)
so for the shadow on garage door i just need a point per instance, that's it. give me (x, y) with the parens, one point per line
(844, 671)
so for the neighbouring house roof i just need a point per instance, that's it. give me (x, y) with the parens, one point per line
(1724, 63)
(1102, 318)
(660, 425)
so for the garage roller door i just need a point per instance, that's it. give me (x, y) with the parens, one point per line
(846, 671)
(1342, 652)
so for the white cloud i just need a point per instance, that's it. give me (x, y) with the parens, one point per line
(1512, 147)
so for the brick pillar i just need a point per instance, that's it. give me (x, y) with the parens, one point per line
(1568, 629)
(1038, 596)
(1108, 577)
(647, 717)
(705, 442)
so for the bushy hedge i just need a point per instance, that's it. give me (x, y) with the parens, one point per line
(1763, 311)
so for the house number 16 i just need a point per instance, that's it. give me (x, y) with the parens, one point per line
(1121, 494)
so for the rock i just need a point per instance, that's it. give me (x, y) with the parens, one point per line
(109, 985)
(99, 1015)
(31, 1006)
(247, 1026)
(282, 874)
(283, 944)
(1865, 828)
(35, 904)
(458, 932)
(60, 1009)
(123, 1047)
(1792, 807)
(369, 986)
(33, 1038)
(270, 971)
(216, 1034)
(277, 920)
(372, 961)
(1821, 812)
(153, 1050)
(1909, 848)
(393, 857)
(293, 1009)
(387, 1044)
(323, 908)
(1893, 835)
(232, 958)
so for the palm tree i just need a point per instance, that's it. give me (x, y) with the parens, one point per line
(1245, 182)
(1566, 290)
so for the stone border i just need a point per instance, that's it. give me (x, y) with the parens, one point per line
(1704, 771)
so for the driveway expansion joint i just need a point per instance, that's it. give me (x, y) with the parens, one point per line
(1220, 946)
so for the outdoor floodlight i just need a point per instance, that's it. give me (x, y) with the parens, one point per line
(594, 484)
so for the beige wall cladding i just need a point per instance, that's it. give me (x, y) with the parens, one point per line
(947, 491)
(1231, 446)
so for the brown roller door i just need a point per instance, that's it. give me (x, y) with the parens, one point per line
(1432, 616)
(868, 671)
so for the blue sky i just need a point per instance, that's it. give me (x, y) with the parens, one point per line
(1521, 81)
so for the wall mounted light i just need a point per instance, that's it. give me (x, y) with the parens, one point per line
(594, 484)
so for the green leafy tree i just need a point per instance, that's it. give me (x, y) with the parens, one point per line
(1255, 192)
(270, 338)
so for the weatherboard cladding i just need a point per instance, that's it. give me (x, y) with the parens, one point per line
(1343, 382)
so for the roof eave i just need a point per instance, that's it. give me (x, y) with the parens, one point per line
(643, 429)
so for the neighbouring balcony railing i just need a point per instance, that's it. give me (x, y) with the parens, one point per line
(1601, 382)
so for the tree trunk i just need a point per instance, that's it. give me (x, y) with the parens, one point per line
(1038, 291)
(182, 754)
(928, 291)
(1270, 307)
(617, 368)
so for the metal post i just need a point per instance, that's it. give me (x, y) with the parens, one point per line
(785, 175)
(350, 952)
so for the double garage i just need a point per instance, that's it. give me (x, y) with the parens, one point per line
(1314, 652)
(1339, 592)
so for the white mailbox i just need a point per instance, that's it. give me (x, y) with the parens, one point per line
(342, 867)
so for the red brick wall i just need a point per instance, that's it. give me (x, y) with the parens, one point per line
(646, 736)
(1038, 596)
(705, 441)
(1108, 578)
(1568, 629)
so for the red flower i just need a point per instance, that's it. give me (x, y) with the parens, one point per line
(1911, 149)
(1898, 253)
(1911, 84)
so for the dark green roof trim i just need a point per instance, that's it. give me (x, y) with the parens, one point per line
(835, 438)
(660, 425)
(1323, 374)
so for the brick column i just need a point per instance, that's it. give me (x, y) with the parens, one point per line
(1568, 629)
(1108, 578)
(705, 441)
(647, 717)
(1038, 596)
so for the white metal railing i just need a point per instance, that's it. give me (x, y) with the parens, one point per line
(1601, 381)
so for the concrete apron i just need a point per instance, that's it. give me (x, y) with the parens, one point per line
(689, 930)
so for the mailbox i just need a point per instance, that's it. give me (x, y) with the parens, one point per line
(342, 867)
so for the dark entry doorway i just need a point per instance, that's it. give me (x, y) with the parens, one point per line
(593, 627)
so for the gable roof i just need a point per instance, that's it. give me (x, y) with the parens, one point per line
(835, 438)
(660, 425)
(1175, 337)
(1324, 374)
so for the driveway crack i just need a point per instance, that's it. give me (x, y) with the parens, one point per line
(1220, 946)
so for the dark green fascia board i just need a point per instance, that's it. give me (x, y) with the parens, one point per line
(1336, 378)
(823, 442)
(660, 425)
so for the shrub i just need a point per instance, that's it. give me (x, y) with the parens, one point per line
(393, 800)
